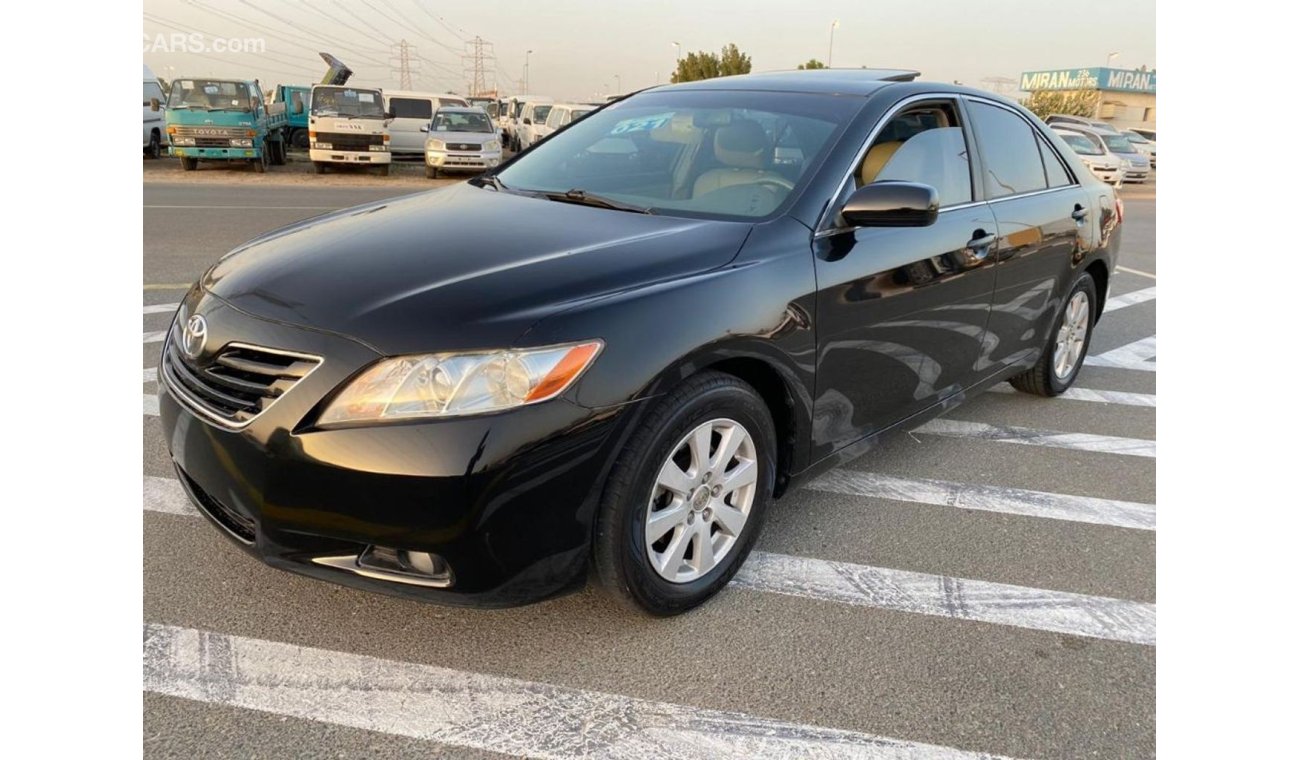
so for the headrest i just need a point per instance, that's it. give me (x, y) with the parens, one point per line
(876, 159)
(742, 144)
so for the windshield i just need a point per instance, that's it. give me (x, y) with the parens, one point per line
(461, 121)
(1134, 137)
(346, 101)
(702, 154)
(1082, 145)
(1118, 144)
(540, 113)
(209, 95)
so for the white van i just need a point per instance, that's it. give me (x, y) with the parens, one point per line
(511, 117)
(154, 103)
(412, 112)
(561, 115)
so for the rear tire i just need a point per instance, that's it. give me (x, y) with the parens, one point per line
(300, 139)
(727, 408)
(280, 156)
(189, 164)
(155, 146)
(1045, 377)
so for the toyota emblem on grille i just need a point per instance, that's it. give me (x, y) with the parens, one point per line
(194, 335)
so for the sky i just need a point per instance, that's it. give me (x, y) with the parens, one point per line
(588, 48)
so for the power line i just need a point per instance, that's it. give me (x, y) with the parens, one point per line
(411, 26)
(239, 20)
(387, 42)
(456, 32)
(160, 21)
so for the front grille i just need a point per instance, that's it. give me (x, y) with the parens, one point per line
(240, 526)
(464, 146)
(223, 133)
(237, 383)
(211, 142)
(342, 141)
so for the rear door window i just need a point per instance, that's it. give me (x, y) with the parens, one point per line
(411, 108)
(1009, 147)
(1057, 174)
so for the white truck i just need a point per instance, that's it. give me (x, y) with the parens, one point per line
(348, 125)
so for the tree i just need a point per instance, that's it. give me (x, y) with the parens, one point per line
(704, 65)
(812, 63)
(1068, 102)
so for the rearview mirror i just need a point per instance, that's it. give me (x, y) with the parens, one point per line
(154, 105)
(892, 204)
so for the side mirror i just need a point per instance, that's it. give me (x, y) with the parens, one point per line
(528, 121)
(297, 102)
(424, 127)
(154, 105)
(389, 115)
(892, 204)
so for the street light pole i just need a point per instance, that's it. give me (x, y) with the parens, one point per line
(678, 45)
(526, 54)
(830, 52)
(1096, 112)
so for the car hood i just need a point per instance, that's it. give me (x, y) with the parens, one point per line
(462, 137)
(459, 268)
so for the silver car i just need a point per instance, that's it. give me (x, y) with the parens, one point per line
(1136, 166)
(461, 140)
(1106, 167)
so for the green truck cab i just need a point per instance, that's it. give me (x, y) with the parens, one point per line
(212, 119)
(295, 98)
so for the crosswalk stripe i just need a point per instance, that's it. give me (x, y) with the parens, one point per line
(886, 588)
(480, 711)
(1105, 444)
(1136, 355)
(155, 336)
(150, 405)
(161, 308)
(150, 374)
(943, 596)
(1131, 298)
(1090, 394)
(1013, 501)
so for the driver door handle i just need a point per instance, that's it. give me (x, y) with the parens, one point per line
(980, 243)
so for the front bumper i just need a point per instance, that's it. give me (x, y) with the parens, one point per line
(350, 156)
(507, 500)
(453, 161)
(215, 153)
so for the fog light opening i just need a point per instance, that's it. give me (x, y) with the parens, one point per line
(395, 565)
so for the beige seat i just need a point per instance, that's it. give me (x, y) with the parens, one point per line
(744, 151)
(876, 159)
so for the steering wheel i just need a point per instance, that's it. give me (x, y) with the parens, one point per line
(777, 180)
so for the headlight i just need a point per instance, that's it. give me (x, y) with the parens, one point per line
(241, 143)
(436, 145)
(452, 385)
(492, 146)
(379, 147)
(182, 140)
(323, 146)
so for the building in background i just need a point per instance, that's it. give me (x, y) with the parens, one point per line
(1127, 96)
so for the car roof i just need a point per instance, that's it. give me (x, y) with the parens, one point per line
(462, 109)
(829, 81)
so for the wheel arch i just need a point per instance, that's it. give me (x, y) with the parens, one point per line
(1100, 275)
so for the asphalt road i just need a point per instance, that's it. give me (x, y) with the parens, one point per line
(967, 616)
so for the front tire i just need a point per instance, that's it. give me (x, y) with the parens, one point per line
(319, 166)
(685, 501)
(382, 170)
(189, 164)
(155, 146)
(430, 172)
(1067, 344)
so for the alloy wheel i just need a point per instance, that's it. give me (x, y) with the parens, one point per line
(701, 500)
(1071, 336)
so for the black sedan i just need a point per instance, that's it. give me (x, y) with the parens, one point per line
(613, 353)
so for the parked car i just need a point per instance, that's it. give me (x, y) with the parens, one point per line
(1145, 147)
(461, 139)
(1097, 125)
(513, 114)
(1149, 134)
(411, 113)
(1104, 166)
(531, 119)
(613, 352)
(1114, 144)
(153, 114)
(560, 115)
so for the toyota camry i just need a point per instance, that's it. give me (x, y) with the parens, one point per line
(610, 356)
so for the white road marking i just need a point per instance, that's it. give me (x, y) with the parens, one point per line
(155, 337)
(480, 711)
(161, 308)
(1137, 355)
(1012, 501)
(959, 598)
(150, 405)
(257, 208)
(1137, 272)
(1106, 444)
(1089, 394)
(888, 589)
(1128, 299)
(150, 374)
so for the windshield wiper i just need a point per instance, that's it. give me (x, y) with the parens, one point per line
(585, 198)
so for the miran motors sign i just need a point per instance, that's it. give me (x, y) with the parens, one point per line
(1095, 78)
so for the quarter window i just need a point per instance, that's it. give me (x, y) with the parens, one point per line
(1008, 145)
(1057, 175)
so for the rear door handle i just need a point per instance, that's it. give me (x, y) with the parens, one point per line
(1079, 214)
(981, 240)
